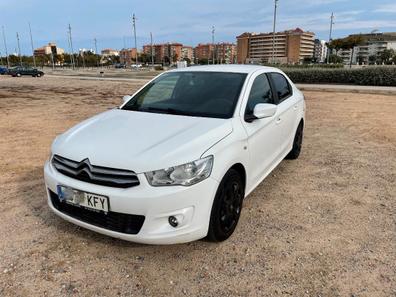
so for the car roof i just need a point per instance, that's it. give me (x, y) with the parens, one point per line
(235, 68)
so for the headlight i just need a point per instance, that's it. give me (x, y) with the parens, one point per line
(184, 175)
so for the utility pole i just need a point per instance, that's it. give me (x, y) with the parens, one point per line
(19, 49)
(213, 43)
(5, 47)
(273, 32)
(96, 52)
(331, 31)
(31, 43)
(152, 52)
(134, 34)
(71, 47)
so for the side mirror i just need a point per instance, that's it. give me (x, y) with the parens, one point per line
(261, 110)
(126, 98)
(264, 110)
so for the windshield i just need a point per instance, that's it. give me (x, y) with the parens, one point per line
(205, 94)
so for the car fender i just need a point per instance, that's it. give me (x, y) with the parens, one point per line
(229, 151)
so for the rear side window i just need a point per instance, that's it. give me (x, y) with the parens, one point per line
(281, 85)
(259, 93)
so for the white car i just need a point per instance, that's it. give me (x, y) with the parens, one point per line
(175, 161)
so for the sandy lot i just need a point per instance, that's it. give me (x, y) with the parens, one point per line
(323, 225)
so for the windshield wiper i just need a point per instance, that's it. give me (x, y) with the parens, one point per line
(164, 110)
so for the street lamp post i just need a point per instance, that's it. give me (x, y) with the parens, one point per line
(5, 47)
(213, 43)
(151, 47)
(134, 34)
(273, 31)
(31, 43)
(19, 49)
(330, 32)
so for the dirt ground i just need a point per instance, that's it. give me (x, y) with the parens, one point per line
(323, 225)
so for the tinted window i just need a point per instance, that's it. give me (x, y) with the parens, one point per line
(281, 85)
(259, 93)
(208, 94)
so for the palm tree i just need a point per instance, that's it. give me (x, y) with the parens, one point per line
(351, 42)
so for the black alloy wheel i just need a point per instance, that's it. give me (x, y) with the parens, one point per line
(227, 207)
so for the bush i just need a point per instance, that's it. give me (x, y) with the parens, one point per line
(369, 76)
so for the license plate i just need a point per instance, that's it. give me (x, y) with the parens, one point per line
(84, 199)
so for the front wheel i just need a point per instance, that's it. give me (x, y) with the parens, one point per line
(297, 143)
(227, 207)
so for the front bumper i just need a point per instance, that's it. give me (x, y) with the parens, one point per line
(190, 205)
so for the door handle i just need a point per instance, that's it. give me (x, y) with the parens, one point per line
(278, 121)
(295, 107)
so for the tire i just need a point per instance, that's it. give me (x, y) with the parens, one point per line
(18, 75)
(297, 143)
(38, 75)
(227, 207)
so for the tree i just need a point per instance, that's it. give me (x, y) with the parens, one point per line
(334, 59)
(387, 55)
(350, 43)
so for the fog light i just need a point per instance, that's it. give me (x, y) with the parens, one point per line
(173, 221)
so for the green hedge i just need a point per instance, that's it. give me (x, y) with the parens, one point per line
(369, 76)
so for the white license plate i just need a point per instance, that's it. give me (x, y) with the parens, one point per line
(84, 199)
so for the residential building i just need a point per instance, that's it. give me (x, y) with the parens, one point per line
(48, 49)
(290, 46)
(320, 51)
(374, 44)
(109, 52)
(85, 51)
(204, 51)
(162, 52)
(187, 52)
(128, 56)
(225, 53)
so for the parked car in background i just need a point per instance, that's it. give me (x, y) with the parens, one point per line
(19, 71)
(175, 161)
(119, 66)
(3, 70)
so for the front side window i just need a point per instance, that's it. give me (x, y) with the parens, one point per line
(206, 94)
(259, 93)
(281, 85)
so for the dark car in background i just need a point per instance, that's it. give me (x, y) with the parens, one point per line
(19, 71)
(3, 70)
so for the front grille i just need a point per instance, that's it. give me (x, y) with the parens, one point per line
(99, 175)
(114, 221)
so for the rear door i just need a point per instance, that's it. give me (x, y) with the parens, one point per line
(287, 110)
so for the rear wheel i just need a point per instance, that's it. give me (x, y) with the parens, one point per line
(297, 143)
(227, 207)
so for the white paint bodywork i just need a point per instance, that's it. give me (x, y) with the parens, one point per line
(144, 142)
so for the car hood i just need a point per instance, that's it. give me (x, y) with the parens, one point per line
(140, 141)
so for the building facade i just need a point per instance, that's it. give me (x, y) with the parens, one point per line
(107, 52)
(320, 51)
(128, 56)
(373, 46)
(164, 52)
(287, 47)
(222, 52)
(51, 48)
(187, 52)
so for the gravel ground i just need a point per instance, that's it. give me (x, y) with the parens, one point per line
(323, 225)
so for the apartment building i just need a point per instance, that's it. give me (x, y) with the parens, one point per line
(51, 48)
(222, 52)
(107, 52)
(187, 52)
(290, 46)
(320, 51)
(374, 45)
(128, 56)
(204, 51)
(163, 52)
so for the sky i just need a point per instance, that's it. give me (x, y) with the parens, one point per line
(188, 22)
